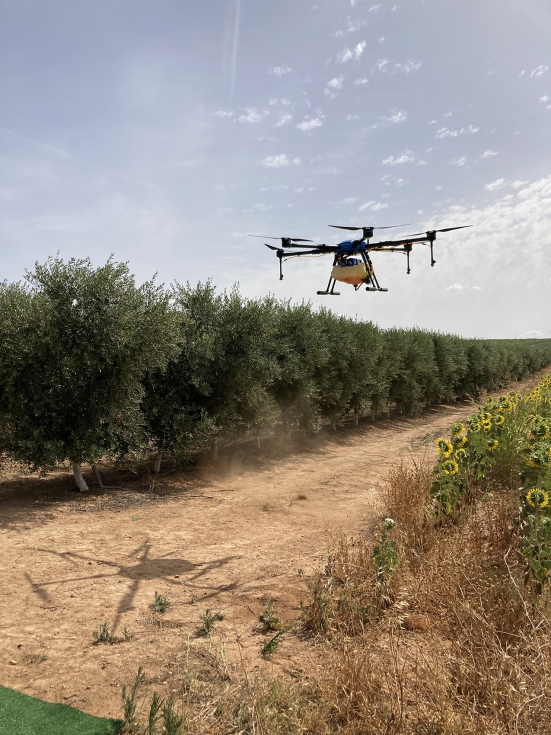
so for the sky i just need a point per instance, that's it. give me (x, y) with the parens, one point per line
(165, 132)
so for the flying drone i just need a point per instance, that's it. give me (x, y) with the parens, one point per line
(351, 258)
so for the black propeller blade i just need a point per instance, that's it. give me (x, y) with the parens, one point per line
(389, 227)
(445, 229)
(283, 239)
(271, 246)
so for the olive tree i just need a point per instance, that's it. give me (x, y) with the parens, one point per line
(75, 344)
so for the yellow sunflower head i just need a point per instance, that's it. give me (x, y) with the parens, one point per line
(460, 441)
(499, 420)
(486, 425)
(537, 497)
(445, 448)
(492, 444)
(450, 467)
(460, 454)
(457, 429)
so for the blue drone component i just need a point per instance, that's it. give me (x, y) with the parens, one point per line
(350, 246)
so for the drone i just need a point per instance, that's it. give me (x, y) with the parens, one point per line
(352, 263)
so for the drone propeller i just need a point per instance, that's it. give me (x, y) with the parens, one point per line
(445, 229)
(283, 239)
(389, 227)
(271, 247)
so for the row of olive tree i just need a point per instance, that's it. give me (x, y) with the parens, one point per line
(92, 365)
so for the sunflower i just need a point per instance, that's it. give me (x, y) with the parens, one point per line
(460, 441)
(460, 454)
(445, 448)
(492, 444)
(450, 467)
(540, 429)
(458, 429)
(486, 425)
(537, 497)
(489, 402)
(504, 404)
(540, 456)
(499, 420)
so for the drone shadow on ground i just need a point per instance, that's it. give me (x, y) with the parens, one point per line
(147, 569)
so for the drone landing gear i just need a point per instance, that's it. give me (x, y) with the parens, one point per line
(329, 290)
(368, 288)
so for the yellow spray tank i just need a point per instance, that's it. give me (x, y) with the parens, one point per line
(350, 270)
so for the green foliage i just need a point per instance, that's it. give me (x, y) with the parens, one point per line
(385, 556)
(76, 341)
(92, 365)
(505, 439)
(269, 619)
(208, 621)
(130, 704)
(160, 604)
(103, 635)
(162, 718)
(270, 645)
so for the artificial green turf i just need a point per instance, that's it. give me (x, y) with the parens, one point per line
(24, 715)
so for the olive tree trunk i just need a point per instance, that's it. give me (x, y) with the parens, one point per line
(97, 475)
(79, 479)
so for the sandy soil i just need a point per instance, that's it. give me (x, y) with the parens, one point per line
(227, 536)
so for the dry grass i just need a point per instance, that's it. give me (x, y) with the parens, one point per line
(456, 645)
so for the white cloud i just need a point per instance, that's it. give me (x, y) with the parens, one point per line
(545, 98)
(446, 133)
(539, 71)
(497, 184)
(349, 54)
(307, 125)
(518, 183)
(352, 26)
(405, 157)
(408, 66)
(224, 113)
(462, 287)
(283, 119)
(374, 8)
(489, 154)
(533, 334)
(335, 83)
(381, 65)
(350, 200)
(522, 73)
(279, 71)
(448, 113)
(373, 206)
(278, 161)
(360, 82)
(396, 117)
(458, 161)
(253, 116)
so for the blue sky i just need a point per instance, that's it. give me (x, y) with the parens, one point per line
(165, 132)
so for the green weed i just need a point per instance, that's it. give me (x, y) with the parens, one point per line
(161, 604)
(208, 621)
(269, 620)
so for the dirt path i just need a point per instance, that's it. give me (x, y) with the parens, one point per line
(227, 538)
